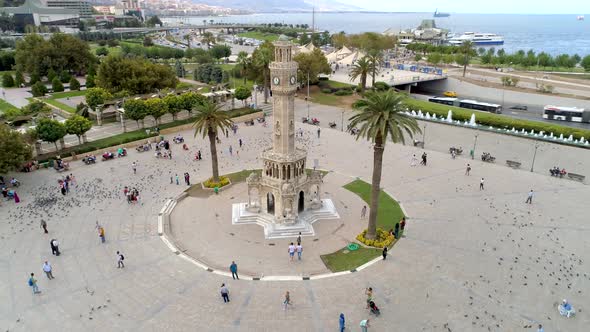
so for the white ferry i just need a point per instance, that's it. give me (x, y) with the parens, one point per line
(477, 39)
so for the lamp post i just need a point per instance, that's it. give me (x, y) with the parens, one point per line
(474, 144)
(424, 136)
(308, 86)
(342, 121)
(534, 156)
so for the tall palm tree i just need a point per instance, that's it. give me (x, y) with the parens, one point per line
(208, 39)
(467, 50)
(244, 62)
(209, 120)
(187, 37)
(261, 58)
(376, 60)
(361, 68)
(380, 117)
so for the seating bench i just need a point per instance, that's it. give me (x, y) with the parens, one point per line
(513, 164)
(577, 177)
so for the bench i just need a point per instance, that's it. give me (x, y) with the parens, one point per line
(576, 177)
(513, 164)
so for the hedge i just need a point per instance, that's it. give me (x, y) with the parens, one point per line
(495, 120)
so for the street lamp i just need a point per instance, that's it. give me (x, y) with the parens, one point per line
(534, 156)
(424, 136)
(342, 123)
(474, 144)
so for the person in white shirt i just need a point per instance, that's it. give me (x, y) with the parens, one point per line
(530, 197)
(299, 251)
(292, 251)
(48, 271)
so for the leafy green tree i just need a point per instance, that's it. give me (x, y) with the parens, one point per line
(136, 110)
(153, 21)
(90, 81)
(208, 39)
(304, 39)
(102, 51)
(56, 85)
(210, 120)
(313, 63)
(74, 84)
(96, 97)
(38, 89)
(220, 51)
(434, 58)
(586, 63)
(179, 68)
(36, 108)
(261, 59)
(190, 100)
(135, 75)
(77, 125)
(65, 76)
(381, 118)
(173, 105)
(7, 80)
(156, 108)
(242, 93)
(14, 151)
(19, 80)
(51, 74)
(360, 69)
(147, 41)
(50, 131)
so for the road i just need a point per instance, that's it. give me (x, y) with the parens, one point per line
(534, 112)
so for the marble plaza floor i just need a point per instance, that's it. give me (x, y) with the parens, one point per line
(470, 260)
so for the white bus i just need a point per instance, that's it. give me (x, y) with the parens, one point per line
(466, 103)
(572, 114)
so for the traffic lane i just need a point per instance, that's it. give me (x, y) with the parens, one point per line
(533, 112)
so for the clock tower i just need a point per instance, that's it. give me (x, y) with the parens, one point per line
(284, 197)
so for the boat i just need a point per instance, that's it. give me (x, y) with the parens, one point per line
(477, 39)
(439, 14)
(580, 18)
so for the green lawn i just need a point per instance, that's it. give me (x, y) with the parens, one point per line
(389, 212)
(52, 99)
(339, 85)
(59, 105)
(575, 76)
(259, 35)
(4, 106)
(388, 215)
(345, 260)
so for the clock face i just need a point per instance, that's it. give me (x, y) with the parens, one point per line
(276, 80)
(293, 80)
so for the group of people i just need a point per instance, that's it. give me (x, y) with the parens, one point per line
(555, 171)
(132, 195)
(66, 183)
(9, 194)
(414, 160)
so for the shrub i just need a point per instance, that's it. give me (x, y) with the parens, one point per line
(382, 239)
(545, 88)
(65, 76)
(381, 86)
(56, 85)
(223, 181)
(327, 90)
(74, 84)
(7, 80)
(38, 89)
(343, 92)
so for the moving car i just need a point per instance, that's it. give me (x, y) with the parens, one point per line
(452, 94)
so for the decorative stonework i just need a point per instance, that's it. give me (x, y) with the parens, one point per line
(284, 193)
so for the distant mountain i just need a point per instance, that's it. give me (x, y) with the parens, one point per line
(280, 5)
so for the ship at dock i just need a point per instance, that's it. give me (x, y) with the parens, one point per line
(439, 14)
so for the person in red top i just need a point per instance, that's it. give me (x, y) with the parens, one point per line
(403, 224)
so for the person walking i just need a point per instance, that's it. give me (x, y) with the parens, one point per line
(101, 234)
(369, 293)
(234, 270)
(364, 325)
(319, 132)
(287, 300)
(396, 231)
(413, 161)
(44, 226)
(55, 247)
(134, 167)
(120, 259)
(481, 184)
(224, 293)
(299, 251)
(529, 199)
(177, 180)
(292, 251)
(240, 141)
(33, 284)
(299, 239)
(403, 224)
(48, 271)
(540, 329)
(187, 179)
(342, 322)
(384, 253)
(467, 169)
(423, 162)
(231, 151)
(364, 212)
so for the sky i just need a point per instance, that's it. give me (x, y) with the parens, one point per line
(477, 6)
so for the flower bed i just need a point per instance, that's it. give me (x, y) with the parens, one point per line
(223, 181)
(382, 239)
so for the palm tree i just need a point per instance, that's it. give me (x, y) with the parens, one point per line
(244, 62)
(376, 60)
(187, 37)
(208, 39)
(467, 50)
(380, 117)
(361, 68)
(262, 57)
(210, 119)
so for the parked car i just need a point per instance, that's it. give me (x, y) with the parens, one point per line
(519, 107)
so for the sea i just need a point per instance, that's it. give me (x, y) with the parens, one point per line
(553, 34)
